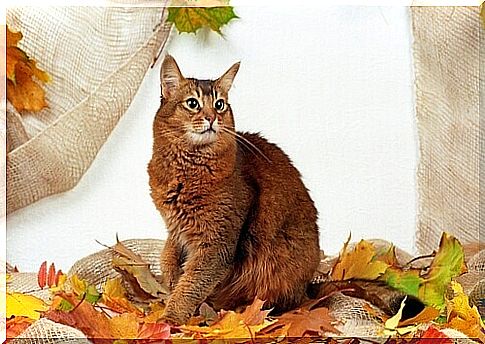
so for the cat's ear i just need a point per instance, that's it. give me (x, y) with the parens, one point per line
(170, 76)
(225, 81)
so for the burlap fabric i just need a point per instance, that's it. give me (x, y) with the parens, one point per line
(446, 62)
(97, 58)
(355, 319)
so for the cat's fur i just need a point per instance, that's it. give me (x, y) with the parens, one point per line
(241, 224)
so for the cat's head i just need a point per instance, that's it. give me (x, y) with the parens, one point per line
(195, 113)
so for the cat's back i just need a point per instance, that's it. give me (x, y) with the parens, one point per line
(270, 167)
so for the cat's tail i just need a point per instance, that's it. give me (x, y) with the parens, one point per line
(377, 293)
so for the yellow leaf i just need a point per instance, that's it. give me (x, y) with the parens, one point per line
(461, 316)
(124, 326)
(358, 263)
(25, 305)
(114, 296)
(78, 285)
(392, 324)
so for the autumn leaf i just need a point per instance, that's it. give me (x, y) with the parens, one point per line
(22, 90)
(137, 273)
(114, 297)
(407, 281)
(437, 337)
(448, 263)
(235, 326)
(152, 331)
(25, 305)
(124, 326)
(360, 263)
(191, 19)
(305, 321)
(84, 290)
(461, 316)
(426, 315)
(16, 326)
(42, 275)
(392, 325)
(84, 317)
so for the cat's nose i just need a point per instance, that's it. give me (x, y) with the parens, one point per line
(210, 119)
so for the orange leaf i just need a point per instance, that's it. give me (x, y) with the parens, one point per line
(426, 315)
(303, 321)
(84, 317)
(42, 275)
(22, 91)
(17, 325)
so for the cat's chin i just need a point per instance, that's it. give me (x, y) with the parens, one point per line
(203, 139)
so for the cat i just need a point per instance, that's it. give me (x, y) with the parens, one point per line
(241, 223)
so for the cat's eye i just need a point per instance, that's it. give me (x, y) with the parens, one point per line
(219, 105)
(192, 103)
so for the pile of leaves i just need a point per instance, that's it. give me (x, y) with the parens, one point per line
(130, 307)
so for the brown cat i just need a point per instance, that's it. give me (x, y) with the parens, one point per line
(241, 224)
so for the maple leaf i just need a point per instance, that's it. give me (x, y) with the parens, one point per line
(360, 263)
(448, 263)
(28, 306)
(22, 91)
(191, 19)
(235, 326)
(461, 316)
(17, 325)
(137, 273)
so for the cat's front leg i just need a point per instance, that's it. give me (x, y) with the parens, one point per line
(203, 271)
(171, 264)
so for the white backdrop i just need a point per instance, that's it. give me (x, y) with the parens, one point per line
(332, 86)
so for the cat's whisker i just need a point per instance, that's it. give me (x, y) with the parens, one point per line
(246, 143)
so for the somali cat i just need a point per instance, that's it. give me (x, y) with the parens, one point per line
(240, 222)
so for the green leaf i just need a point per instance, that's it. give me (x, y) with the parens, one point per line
(448, 263)
(406, 281)
(191, 19)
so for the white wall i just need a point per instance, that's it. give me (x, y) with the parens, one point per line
(333, 86)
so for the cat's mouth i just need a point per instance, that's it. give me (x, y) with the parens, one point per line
(204, 137)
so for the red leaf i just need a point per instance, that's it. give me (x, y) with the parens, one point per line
(51, 276)
(158, 331)
(42, 275)
(437, 336)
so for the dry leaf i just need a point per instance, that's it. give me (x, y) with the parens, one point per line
(22, 91)
(137, 273)
(358, 263)
(435, 336)
(28, 306)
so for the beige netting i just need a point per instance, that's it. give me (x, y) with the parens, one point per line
(353, 315)
(97, 58)
(446, 62)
